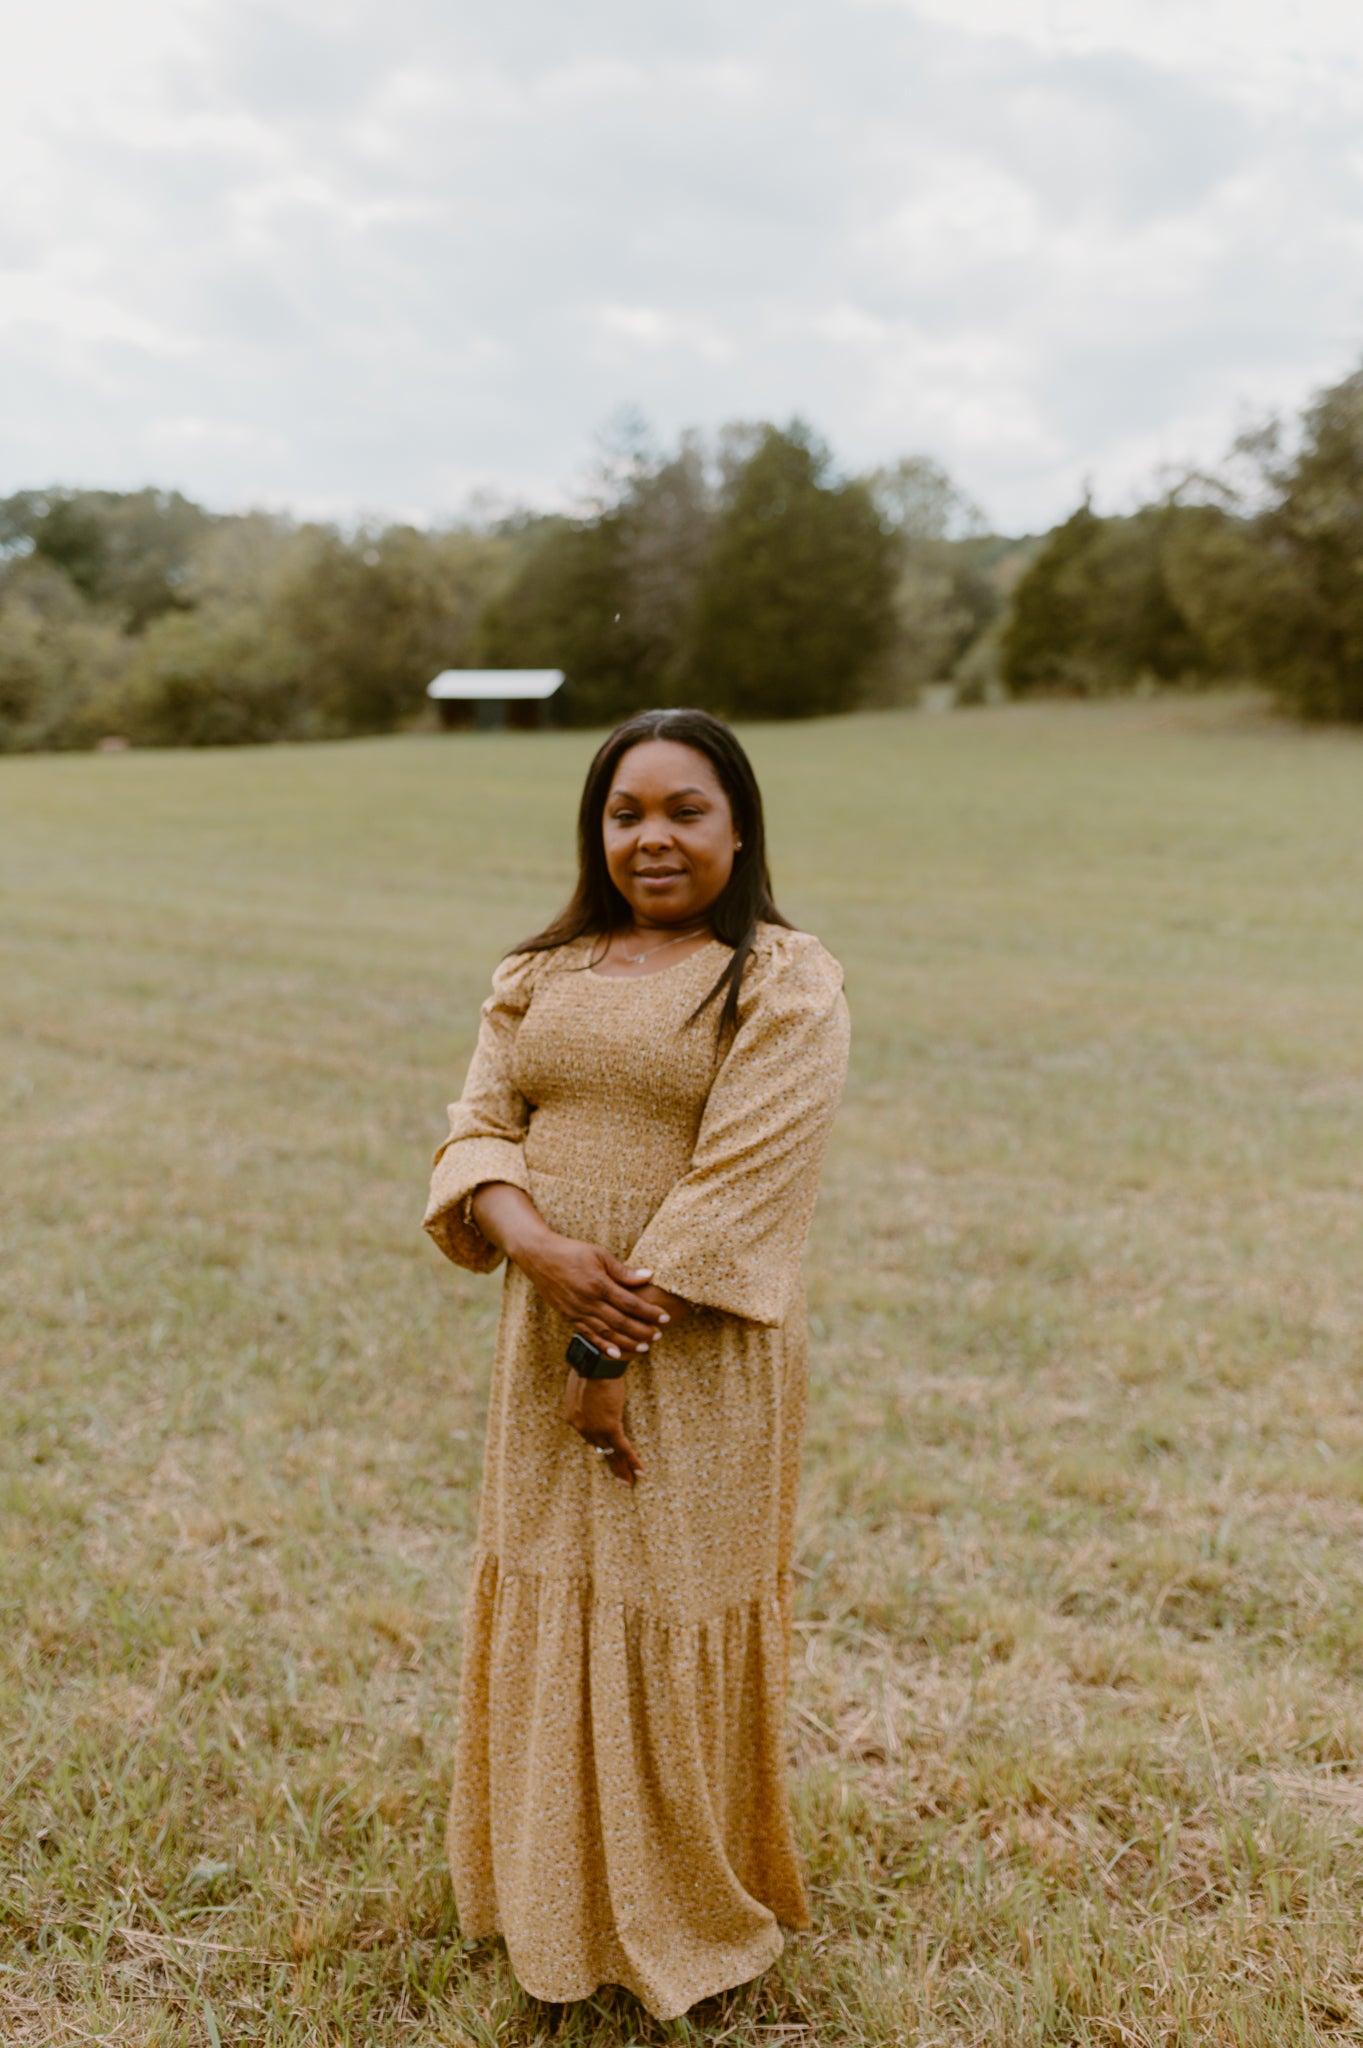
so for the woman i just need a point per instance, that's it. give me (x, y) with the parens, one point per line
(640, 1135)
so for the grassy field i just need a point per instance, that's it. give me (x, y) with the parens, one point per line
(1078, 1712)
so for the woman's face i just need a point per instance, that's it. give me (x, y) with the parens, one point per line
(669, 833)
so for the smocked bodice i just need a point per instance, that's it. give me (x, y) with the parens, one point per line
(614, 1076)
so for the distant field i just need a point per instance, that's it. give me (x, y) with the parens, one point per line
(1078, 1707)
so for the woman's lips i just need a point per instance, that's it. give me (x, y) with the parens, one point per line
(658, 877)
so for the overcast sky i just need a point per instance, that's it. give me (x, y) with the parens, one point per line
(371, 257)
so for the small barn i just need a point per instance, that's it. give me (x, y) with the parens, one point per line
(489, 699)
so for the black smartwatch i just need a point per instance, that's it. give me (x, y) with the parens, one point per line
(590, 1364)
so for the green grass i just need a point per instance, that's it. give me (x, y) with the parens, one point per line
(1078, 1705)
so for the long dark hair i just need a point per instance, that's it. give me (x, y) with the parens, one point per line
(596, 905)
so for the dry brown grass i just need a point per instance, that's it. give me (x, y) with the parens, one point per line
(1077, 1716)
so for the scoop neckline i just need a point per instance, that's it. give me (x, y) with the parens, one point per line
(656, 973)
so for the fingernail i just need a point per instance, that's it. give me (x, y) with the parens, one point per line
(611, 1351)
(641, 1347)
(644, 1273)
(664, 1317)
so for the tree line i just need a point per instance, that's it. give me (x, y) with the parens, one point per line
(745, 572)
(1254, 573)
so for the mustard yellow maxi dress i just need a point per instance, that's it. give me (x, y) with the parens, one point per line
(620, 1812)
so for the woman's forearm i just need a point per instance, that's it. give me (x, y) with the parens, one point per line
(508, 1218)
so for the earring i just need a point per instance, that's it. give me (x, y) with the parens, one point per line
(738, 846)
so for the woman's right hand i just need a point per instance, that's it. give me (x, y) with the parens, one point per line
(591, 1290)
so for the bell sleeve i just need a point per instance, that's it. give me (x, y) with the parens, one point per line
(731, 1234)
(487, 1125)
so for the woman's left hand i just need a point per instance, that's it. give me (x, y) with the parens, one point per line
(596, 1410)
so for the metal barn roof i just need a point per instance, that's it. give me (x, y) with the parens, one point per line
(471, 684)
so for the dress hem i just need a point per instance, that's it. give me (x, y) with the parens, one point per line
(669, 2011)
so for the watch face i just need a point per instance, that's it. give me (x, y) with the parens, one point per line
(583, 1357)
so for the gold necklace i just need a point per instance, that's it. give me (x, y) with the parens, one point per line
(639, 958)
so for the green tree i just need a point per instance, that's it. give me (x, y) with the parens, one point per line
(944, 595)
(1097, 612)
(665, 521)
(1306, 612)
(298, 634)
(214, 678)
(566, 607)
(1230, 586)
(795, 597)
(228, 670)
(61, 662)
(1046, 625)
(376, 616)
(1255, 572)
(127, 552)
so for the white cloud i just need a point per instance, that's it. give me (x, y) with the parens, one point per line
(335, 256)
(76, 314)
(965, 211)
(652, 328)
(1269, 49)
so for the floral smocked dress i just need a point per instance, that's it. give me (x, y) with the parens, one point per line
(620, 1810)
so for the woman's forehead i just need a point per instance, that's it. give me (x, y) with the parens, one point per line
(664, 767)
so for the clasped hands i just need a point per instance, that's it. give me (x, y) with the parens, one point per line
(616, 1307)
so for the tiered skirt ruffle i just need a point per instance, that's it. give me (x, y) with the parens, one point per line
(620, 1812)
